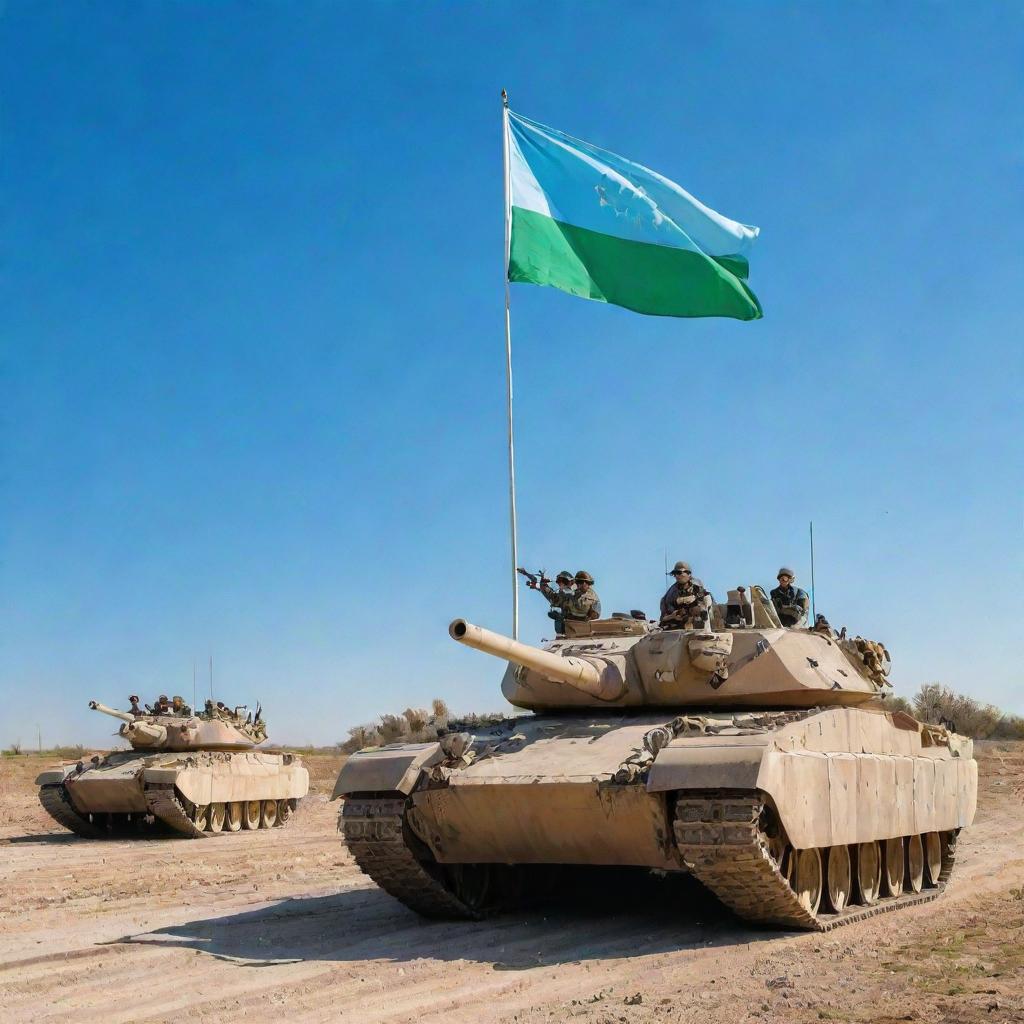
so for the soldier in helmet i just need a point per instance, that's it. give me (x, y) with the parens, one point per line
(134, 706)
(566, 587)
(180, 708)
(790, 602)
(162, 705)
(686, 604)
(581, 604)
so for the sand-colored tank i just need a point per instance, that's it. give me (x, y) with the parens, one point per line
(759, 758)
(194, 774)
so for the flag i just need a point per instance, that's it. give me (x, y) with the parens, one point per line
(597, 225)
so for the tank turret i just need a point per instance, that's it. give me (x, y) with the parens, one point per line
(139, 732)
(208, 731)
(742, 665)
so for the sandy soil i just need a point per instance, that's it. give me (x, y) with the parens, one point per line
(279, 924)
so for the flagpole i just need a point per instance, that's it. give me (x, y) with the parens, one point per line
(508, 370)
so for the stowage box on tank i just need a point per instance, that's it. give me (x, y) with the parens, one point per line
(192, 774)
(756, 757)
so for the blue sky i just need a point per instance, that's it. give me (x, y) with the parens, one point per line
(252, 380)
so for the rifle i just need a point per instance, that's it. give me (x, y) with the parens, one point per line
(682, 613)
(533, 580)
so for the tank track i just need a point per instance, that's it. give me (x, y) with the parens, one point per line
(56, 802)
(165, 806)
(374, 831)
(717, 834)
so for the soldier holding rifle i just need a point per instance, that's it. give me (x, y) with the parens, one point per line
(575, 600)
(686, 603)
(790, 601)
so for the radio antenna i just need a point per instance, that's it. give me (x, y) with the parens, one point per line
(211, 677)
(814, 616)
(194, 701)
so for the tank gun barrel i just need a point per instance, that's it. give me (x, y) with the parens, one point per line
(95, 705)
(603, 682)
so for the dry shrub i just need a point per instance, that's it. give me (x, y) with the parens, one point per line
(940, 705)
(360, 736)
(414, 725)
(474, 721)
(418, 718)
(1009, 727)
(393, 728)
(894, 703)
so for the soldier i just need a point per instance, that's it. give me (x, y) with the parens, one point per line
(581, 604)
(790, 602)
(686, 603)
(224, 713)
(162, 706)
(566, 587)
(180, 708)
(134, 708)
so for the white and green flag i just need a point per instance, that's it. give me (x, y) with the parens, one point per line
(595, 224)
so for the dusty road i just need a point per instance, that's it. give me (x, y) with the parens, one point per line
(281, 925)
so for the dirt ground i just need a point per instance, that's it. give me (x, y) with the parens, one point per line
(281, 925)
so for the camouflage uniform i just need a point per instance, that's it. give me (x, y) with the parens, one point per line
(555, 613)
(223, 713)
(685, 614)
(784, 598)
(578, 604)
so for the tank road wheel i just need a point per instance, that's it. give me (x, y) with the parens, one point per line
(933, 858)
(199, 814)
(268, 814)
(914, 868)
(215, 819)
(838, 876)
(252, 812)
(869, 873)
(893, 873)
(480, 886)
(806, 878)
(284, 812)
(774, 840)
(233, 817)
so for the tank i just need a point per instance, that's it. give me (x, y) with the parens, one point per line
(191, 774)
(760, 759)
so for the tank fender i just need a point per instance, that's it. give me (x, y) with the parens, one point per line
(386, 769)
(54, 776)
(251, 781)
(833, 798)
(708, 762)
